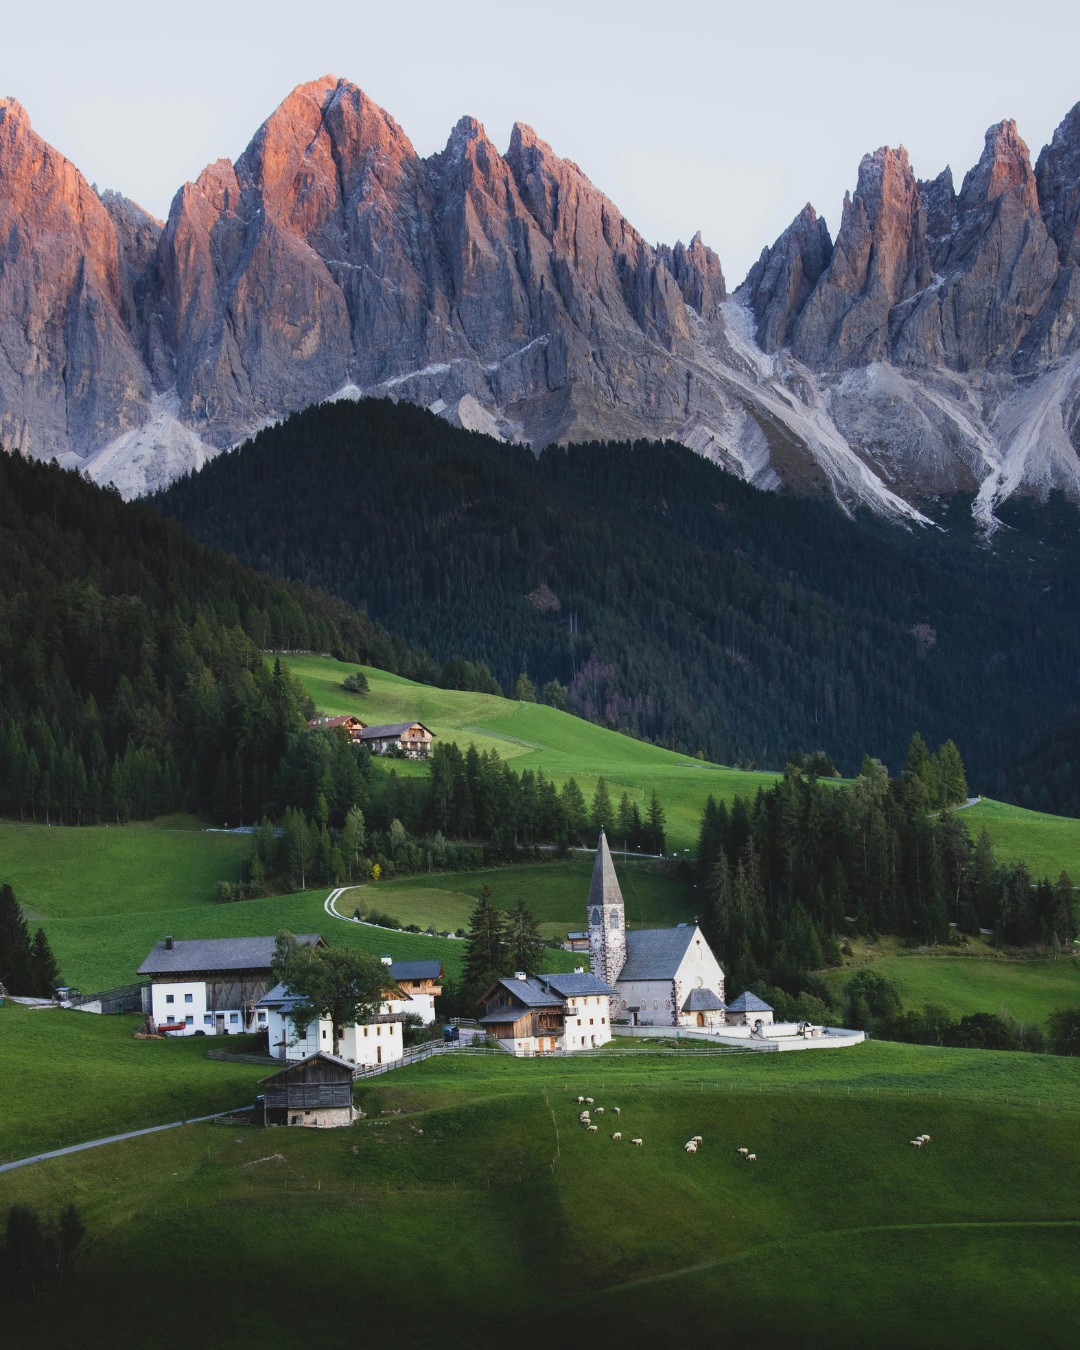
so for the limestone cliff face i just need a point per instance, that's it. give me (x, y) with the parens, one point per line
(783, 278)
(933, 348)
(70, 378)
(880, 258)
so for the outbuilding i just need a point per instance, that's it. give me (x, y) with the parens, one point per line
(316, 1092)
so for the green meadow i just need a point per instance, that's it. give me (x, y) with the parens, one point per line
(469, 1203)
(981, 980)
(1048, 844)
(534, 736)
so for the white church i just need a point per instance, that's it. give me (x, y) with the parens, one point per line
(662, 976)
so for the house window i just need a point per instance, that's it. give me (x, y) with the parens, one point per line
(655, 1006)
(208, 1019)
(579, 1021)
(365, 1031)
(613, 919)
(262, 1017)
(590, 1021)
(189, 1021)
(603, 1020)
(234, 1017)
(324, 1034)
(187, 998)
(169, 998)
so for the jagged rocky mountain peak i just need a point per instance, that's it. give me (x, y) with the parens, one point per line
(932, 346)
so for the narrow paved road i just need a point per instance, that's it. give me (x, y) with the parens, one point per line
(115, 1138)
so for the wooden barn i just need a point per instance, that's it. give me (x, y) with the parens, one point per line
(316, 1092)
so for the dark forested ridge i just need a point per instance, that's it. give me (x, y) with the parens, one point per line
(672, 599)
(131, 676)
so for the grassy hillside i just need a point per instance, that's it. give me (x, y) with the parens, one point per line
(1048, 844)
(981, 981)
(470, 1198)
(535, 736)
(171, 863)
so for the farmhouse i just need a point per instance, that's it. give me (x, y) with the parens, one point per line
(661, 976)
(211, 986)
(420, 983)
(316, 1092)
(411, 739)
(349, 723)
(548, 1014)
(363, 1044)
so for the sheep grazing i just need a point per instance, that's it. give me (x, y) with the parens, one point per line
(592, 1128)
(697, 1138)
(916, 1143)
(617, 1136)
(742, 1152)
(599, 1110)
(639, 1142)
(690, 1146)
(584, 1117)
(581, 1101)
(751, 1157)
(615, 1111)
(925, 1138)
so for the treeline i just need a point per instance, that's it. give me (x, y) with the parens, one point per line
(789, 874)
(133, 677)
(338, 820)
(662, 595)
(27, 965)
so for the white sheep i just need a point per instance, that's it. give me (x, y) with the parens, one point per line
(581, 1101)
(593, 1128)
(916, 1143)
(742, 1152)
(599, 1110)
(584, 1117)
(697, 1139)
(925, 1138)
(617, 1136)
(751, 1157)
(616, 1111)
(690, 1146)
(588, 1101)
(639, 1142)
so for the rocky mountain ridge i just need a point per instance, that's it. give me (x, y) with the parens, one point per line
(931, 348)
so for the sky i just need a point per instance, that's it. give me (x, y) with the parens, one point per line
(719, 117)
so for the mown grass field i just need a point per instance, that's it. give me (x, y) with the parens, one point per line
(163, 864)
(981, 981)
(470, 1200)
(534, 736)
(1048, 844)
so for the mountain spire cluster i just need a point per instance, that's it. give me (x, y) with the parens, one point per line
(930, 348)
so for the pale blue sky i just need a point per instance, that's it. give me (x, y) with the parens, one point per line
(720, 117)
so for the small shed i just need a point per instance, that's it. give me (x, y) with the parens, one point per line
(316, 1092)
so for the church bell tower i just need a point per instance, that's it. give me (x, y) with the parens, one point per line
(607, 918)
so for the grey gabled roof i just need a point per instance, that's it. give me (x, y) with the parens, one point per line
(749, 1003)
(197, 956)
(279, 997)
(532, 993)
(655, 953)
(703, 1000)
(574, 986)
(299, 1064)
(391, 729)
(604, 887)
(416, 970)
(502, 1015)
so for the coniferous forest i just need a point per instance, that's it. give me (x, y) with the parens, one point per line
(655, 593)
(133, 680)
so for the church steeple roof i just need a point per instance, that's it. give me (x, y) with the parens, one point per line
(604, 888)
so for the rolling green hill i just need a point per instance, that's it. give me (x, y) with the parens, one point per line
(472, 1200)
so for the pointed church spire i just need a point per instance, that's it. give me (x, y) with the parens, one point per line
(604, 889)
(607, 917)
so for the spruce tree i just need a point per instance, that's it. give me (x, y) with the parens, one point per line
(44, 972)
(524, 943)
(15, 966)
(487, 955)
(603, 817)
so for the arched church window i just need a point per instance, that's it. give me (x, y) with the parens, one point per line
(700, 982)
(655, 1006)
(595, 920)
(613, 919)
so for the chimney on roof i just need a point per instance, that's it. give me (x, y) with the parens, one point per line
(168, 944)
(387, 960)
(520, 975)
